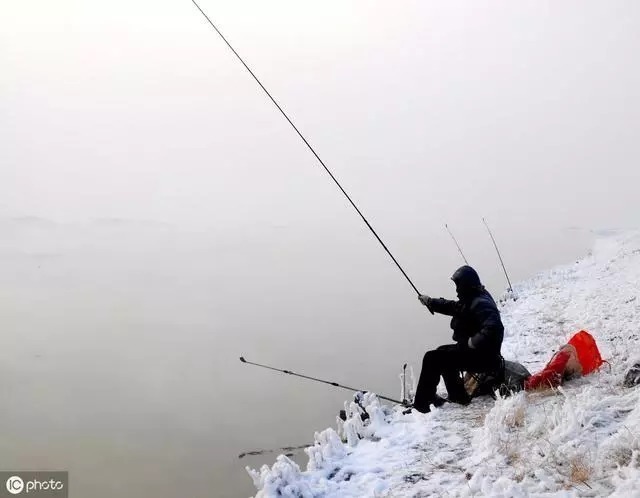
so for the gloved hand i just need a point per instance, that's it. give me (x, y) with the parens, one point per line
(426, 300)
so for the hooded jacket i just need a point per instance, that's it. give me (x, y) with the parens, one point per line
(475, 315)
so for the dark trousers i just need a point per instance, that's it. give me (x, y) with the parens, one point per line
(448, 361)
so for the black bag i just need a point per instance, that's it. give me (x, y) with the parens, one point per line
(633, 376)
(507, 380)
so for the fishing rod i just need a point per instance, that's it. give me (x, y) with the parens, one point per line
(289, 449)
(309, 146)
(457, 245)
(334, 384)
(499, 256)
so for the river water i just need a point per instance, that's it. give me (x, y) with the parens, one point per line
(121, 344)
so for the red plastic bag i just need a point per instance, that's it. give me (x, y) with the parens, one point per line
(588, 353)
(551, 375)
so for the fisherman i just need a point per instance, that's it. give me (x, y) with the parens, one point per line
(478, 332)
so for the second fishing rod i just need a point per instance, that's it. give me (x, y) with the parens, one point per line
(323, 381)
(495, 244)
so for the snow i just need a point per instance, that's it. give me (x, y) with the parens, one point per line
(581, 439)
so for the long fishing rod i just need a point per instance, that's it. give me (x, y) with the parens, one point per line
(499, 256)
(289, 449)
(457, 245)
(310, 148)
(334, 384)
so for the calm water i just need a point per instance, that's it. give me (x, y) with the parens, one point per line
(121, 343)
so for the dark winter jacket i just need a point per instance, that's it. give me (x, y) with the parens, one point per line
(474, 317)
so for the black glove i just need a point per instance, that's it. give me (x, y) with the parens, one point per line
(426, 300)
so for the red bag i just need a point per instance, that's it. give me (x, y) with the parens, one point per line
(551, 375)
(588, 353)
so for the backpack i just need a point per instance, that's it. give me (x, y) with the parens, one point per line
(632, 378)
(509, 379)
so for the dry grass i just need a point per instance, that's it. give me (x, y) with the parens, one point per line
(516, 417)
(573, 470)
(478, 419)
(622, 456)
(579, 469)
(543, 390)
(510, 447)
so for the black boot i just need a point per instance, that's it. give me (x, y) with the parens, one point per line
(456, 392)
(461, 398)
(437, 401)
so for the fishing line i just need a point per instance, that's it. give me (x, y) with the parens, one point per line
(308, 145)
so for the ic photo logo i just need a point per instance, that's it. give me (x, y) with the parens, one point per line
(42, 484)
(15, 485)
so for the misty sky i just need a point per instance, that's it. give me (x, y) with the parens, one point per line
(427, 111)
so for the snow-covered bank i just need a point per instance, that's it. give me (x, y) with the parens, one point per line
(580, 440)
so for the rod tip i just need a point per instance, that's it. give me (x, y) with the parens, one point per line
(242, 359)
(404, 366)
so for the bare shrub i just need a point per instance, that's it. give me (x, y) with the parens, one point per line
(543, 390)
(516, 417)
(622, 456)
(579, 469)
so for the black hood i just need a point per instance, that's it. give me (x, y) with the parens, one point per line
(466, 280)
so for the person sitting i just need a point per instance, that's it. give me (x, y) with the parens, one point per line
(478, 333)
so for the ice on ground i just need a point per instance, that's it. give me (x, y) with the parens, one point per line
(582, 439)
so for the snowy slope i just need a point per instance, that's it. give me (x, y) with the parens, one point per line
(580, 440)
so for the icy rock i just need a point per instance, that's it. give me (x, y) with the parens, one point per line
(327, 447)
(283, 479)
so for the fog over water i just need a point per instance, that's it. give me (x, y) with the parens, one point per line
(159, 218)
